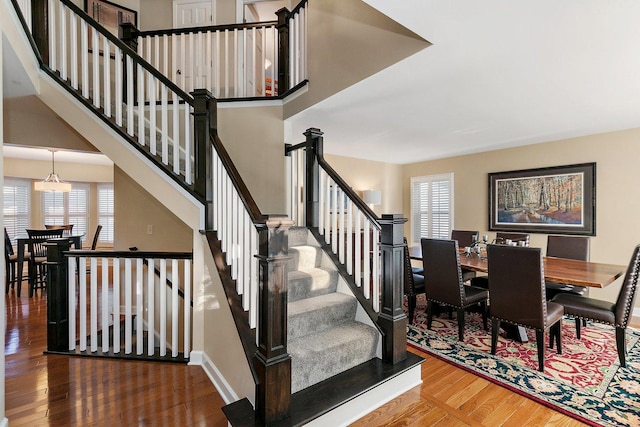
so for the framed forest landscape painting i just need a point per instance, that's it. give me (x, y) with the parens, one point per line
(560, 199)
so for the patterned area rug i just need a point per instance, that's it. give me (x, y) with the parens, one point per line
(585, 381)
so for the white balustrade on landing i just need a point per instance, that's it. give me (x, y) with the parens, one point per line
(229, 62)
(145, 299)
(122, 88)
(238, 236)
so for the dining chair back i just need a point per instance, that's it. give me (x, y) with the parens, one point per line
(443, 281)
(413, 283)
(38, 250)
(570, 247)
(464, 237)
(67, 228)
(10, 262)
(617, 314)
(96, 235)
(516, 286)
(502, 237)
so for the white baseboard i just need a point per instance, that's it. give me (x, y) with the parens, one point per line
(4, 422)
(219, 382)
(360, 406)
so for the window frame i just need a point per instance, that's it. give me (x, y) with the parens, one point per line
(416, 224)
(13, 230)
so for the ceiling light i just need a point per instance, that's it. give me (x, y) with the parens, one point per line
(53, 181)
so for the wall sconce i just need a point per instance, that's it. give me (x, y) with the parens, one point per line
(372, 197)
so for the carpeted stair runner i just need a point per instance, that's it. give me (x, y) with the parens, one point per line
(324, 338)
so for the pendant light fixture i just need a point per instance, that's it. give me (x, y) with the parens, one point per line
(53, 181)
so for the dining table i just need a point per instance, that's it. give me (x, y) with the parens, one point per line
(22, 240)
(559, 270)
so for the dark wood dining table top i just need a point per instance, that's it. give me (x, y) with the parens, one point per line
(561, 270)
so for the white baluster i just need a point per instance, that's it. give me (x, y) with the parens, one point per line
(175, 304)
(128, 326)
(130, 106)
(226, 63)
(234, 241)
(105, 305)
(118, 85)
(107, 77)
(72, 301)
(82, 305)
(366, 284)
(176, 132)
(141, 99)
(95, 45)
(187, 143)
(163, 307)
(63, 42)
(255, 286)
(139, 307)
(334, 219)
(151, 313)
(116, 305)
(376, 271)
(208, 62)
(164, 113)
(73, 45)
(94, 303)
(341, 231)
(153, 141)
(358, 249)
(327, 211)
(350, 237)
(84, 58)
(321, 201)
(52, 36)
(187, 307)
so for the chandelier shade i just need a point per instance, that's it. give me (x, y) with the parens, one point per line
(53, 181)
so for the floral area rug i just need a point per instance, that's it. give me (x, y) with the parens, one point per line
(585, 381)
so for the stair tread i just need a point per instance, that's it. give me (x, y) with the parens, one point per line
(329, 338)
(311, 315)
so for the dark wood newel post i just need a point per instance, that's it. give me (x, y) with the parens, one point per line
(40, 27)
(205, 122)
(314, 151)
(57, 296)
(272, 362)
(283, 50)
(392, 319)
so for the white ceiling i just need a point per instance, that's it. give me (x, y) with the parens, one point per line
(500, 73)
(66, 156)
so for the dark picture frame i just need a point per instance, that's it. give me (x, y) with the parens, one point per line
(110, 15)
(553, 200)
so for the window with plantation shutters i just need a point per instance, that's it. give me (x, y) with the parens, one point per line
(431, 207)
(68, 208)
(105, 212)
(17, 203)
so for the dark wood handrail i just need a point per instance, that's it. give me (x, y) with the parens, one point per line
(299, 6)
(129, 254)
(25, 27)
(352, 195)
(243, 192)
(123, 46)
(212, 28)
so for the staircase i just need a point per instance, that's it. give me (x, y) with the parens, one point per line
(324, 337)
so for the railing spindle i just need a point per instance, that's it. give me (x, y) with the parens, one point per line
(105, 304)
(94, 303)
(139, 307)
(128, 324)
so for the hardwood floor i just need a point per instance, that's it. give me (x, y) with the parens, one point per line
(59, 390)
(71, 391)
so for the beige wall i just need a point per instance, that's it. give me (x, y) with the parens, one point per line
(158, 14)
(617, 203)
(28, 121)
(349, 41)
(254, 138)
(135, 209)
(369, 175)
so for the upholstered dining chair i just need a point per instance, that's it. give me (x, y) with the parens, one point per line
(502, 237)
(37, 266)
(465, 238)
(413, 283)
(11, 264)
(617, 314)
(516, 286)
(443, 282)
(570, 247)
